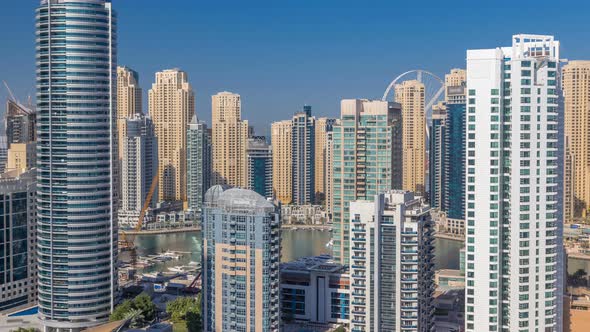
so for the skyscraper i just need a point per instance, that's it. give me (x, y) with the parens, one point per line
(139, 166)
(20, 123)
(329, 172)
(391, 264)
(18, 272)
(365, 162)
(230, 140)
(576, 93)
(437, 158)
(199, 161)
(447, 148)
(171, 107)
(77, 156)
(128, 101)
(322, 127)
(282, 161)
(259, 154)
(453, 202)
(303, 148)
(241, 256)
(410, 94)
(514, 266)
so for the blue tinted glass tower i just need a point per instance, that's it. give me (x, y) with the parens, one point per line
(77, 151)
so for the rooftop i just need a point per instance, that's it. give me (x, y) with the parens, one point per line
(321, 263)
(237, 199)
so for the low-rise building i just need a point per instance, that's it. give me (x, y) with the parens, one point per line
(449, 279)
(303, 214)
(448, 225)
(316, 290)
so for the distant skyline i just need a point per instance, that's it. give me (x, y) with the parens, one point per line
(281, 55)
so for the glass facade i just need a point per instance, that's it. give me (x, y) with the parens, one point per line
(18, 265)
(76, 157)
(260, 166)
(303, 145)
(367, 161)
(454, 169)
(198, 163)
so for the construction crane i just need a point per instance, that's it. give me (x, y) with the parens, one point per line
(127, 240)
(9, 92)
(18, 108)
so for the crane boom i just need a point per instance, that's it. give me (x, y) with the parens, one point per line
(127, 239)
(146, 204)
(9, 91)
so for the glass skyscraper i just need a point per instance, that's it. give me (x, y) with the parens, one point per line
(259, 154)
(303, 158)
(77, 153)
(447, 152)
(453, 202)
(367, 161)
(198, 163)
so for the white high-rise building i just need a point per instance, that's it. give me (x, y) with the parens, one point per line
(514, 263)
(391, 264)
(138, 168)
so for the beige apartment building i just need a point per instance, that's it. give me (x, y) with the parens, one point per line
(576, 92)
(456, 78)
(410, 94)
(229, 140)
(171, 107)
(322, 127)
(21, 157)
(128, 101)
(282, 161)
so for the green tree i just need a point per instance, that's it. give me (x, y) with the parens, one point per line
(136, 318)
(22, 329)
(193, 322)
(186, 310)
(143, 302)
(140, 310)
(121, 311)
(340, 329)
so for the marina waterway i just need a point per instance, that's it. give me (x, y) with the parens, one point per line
(295, 244)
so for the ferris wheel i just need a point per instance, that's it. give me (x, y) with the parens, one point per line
(434, 88)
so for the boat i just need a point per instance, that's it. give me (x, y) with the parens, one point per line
(185, 268)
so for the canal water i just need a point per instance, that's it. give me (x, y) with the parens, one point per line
(296, 244)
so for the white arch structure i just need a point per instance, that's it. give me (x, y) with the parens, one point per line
(428, 103)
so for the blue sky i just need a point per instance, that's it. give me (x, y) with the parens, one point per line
(282, 54)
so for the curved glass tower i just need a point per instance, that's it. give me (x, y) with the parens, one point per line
(76, 153)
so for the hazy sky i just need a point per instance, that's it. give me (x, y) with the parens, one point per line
(282, 54)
